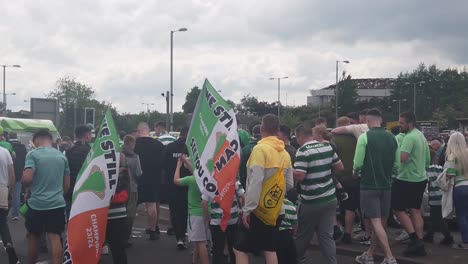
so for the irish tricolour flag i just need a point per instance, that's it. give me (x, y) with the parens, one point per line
(214, 147)
(95, 186)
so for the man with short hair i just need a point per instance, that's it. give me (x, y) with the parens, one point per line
(5, 144)
(267, 157)
(345, 146)
(178, 199)
(76, 156)
(245, 154)
(356, 129)
(162, 134)
(313, 169)
(18, 163)
(150, 187)
(47, 175)
(375, 159)
(135, 172)
(353, 118)
(321, 121)
(411, 182)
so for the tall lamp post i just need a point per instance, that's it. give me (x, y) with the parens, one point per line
(336, 88)
(171, 94)
(399, 105)
(147, 110)
(166, 96)
(414, 93)
(279, 91)
(4, 87)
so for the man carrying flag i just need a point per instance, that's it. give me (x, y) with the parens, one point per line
(95, 186)
(269, 177)
(214, 147)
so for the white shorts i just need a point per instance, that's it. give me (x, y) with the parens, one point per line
(196, 229)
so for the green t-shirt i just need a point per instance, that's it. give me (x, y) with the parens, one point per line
(376, 158)
(50, 167)
(414, 170)
(194, 195)
(7, 146)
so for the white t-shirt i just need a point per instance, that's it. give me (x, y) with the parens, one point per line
(5, 160)
(357, 130)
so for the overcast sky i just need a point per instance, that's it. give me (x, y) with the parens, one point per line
(121, 48)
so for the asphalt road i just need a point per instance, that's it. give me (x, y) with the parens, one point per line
(143, 251)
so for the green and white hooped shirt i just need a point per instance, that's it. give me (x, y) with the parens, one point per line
(216, 213)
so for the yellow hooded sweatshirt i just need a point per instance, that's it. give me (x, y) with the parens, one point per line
(267, 157)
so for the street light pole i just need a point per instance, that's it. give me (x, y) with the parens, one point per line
(171, 94)
(399, 105)
(147, 110)
(279, 92)
(4, 86)
(166, 95)
(336, 89)
(414, 93)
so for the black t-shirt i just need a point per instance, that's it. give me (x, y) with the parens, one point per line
(171, 156)
(151, 152)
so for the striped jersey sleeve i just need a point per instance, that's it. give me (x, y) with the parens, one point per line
(316, 160)
(435, 194)
(166, 139)
(290, 215)
(216, 213)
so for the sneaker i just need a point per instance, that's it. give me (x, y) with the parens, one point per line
(416, 249)
(302, 260)
(365, 259)
(428, 238)
(363, 239)
(460, 246)
(358, 236)
(337, 233)
(447, 241)
(402, 237)
(158, 231)
(346, 239)
(357, 229)
(170, 231)
(366, 241)
(181, 245)
(153, 236)
(105, 250)
(15, 218)
(389, 261)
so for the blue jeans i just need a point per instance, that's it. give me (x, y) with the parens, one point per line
(16, 203)
(460, 200)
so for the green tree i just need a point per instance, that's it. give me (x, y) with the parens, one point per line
(191, 100)
(347, 95)
(73, 97)
(250, 105)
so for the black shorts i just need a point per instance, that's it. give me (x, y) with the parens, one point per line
(151, 193)
(47, 221)
(407, 195)
(353, 201)
(259, 237)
